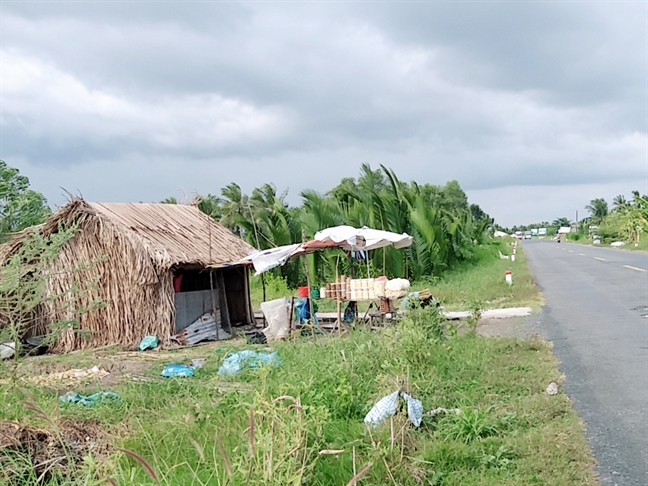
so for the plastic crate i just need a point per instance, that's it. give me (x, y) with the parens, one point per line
(386, 306)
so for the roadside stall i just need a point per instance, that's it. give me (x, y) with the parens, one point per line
(378, 291)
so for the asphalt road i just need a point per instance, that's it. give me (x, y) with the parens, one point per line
(596, 315)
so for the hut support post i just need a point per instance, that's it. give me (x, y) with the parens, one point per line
(308, 284)
(221, 283)
(337, 294)
(248, 303)
(290, 318)
(213, 300)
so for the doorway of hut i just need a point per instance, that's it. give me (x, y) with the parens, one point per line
(222, 291)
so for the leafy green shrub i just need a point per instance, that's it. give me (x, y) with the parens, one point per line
(419, 329)
(427, 319)
(276, 287)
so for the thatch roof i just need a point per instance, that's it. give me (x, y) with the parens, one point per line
(177, 233)
(171, 234)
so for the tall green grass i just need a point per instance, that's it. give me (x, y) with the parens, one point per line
(481, 283)
(302, 422)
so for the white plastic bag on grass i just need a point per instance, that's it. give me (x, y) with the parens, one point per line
(387, 406)
(414, 409)
(7, 350)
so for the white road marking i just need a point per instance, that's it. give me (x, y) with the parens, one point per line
(636, 268)
(599, 259)
(570, 251)
(582, 254)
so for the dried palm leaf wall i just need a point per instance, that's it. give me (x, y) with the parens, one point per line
(104, 262)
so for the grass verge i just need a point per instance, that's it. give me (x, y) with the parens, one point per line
(481, 284)
(301, 423)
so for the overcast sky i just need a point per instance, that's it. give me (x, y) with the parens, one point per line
(534, 107)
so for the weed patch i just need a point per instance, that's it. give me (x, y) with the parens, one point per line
(481, 283)
(302, 422)
(37, 455)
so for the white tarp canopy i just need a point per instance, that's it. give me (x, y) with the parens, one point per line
(351, 238)
(346, 237)
(265, 260)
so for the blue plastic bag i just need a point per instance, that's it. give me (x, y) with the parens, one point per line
(247, 358)
(172, 370)
(302, 309)
(149, 342)
(90, 400)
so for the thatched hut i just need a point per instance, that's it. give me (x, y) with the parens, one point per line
(157, 267)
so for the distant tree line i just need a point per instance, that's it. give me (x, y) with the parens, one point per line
(626, 220)
(445, 227)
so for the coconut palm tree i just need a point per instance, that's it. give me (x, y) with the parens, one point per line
(210, 205)
(620, 204)
(598, 208)
(235, 213)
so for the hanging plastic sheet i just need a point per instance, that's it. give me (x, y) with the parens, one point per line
(276, 314)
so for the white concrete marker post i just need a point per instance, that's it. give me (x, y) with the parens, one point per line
(513, 256)
(509, 277)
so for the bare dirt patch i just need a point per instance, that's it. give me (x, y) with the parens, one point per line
(94, 373)
(511, 327)
(27, 450)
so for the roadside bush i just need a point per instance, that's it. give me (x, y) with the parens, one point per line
(276, 287)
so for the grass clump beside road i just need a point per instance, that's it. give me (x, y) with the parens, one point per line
(482, 282)
(301, 423)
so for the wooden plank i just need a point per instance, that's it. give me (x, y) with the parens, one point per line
(248, 302)
(224, 307)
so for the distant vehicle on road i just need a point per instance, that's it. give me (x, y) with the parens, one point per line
(527, 235)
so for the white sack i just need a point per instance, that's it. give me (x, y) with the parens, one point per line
(397, 288)
(276, 314)
(7, 350)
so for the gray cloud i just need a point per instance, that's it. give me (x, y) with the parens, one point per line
(195, 95)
